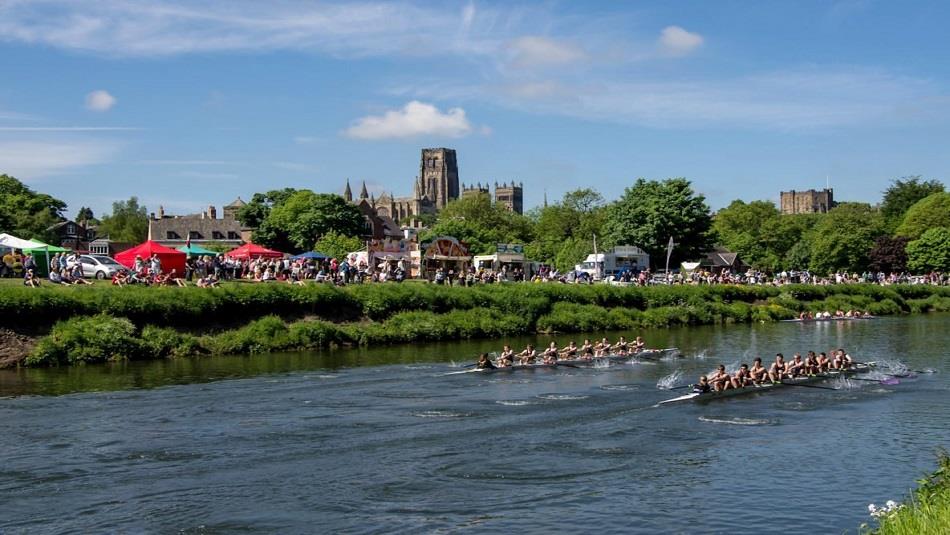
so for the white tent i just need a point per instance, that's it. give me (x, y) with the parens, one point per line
(13, 242)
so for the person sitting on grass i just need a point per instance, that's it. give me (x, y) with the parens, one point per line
(173, 276)
(161, 279)
(76, 275)
(207, 282)
(120, 278)
(56, 278)
(30, 279)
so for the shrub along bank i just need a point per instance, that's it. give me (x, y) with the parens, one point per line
(105, 323)
(927, 512)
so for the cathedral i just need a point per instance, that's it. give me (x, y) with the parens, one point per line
(436, 185)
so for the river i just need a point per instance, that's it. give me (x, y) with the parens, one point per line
(381, 441)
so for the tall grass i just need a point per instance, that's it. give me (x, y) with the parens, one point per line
(927, 512)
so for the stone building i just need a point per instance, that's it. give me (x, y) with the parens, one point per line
(807, 202)
(204, 227)
(509, 195)
(436, 185)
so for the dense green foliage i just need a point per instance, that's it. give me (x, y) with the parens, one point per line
(25, 213)
(763, 237)
(928, 510)
(565, 230)
(904, 193)
(476, 221)
(844, 237)
(337, 245)
(293, 220)
(105, 323)
(651, 212)
(930, 252)
(930, 212)
(127, 223)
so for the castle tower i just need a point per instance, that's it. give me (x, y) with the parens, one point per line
(511, 196)
(439, 176)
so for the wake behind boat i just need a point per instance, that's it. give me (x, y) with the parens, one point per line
(767, 386)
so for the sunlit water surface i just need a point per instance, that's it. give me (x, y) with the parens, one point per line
(381, 440)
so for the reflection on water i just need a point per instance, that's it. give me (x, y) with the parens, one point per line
(381, 439)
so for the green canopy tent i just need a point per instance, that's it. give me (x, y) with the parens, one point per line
(196, 250)
(43, 254)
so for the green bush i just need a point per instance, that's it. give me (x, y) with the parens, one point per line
(87, 339)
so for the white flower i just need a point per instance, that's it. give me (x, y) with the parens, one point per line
(872, 508)
(891, 504)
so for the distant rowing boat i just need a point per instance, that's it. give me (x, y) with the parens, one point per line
(649, 354)
(769, 386)
(833, 318)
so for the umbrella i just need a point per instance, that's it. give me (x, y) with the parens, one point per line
(310, 255)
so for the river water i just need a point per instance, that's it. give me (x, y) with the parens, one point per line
(381, 441)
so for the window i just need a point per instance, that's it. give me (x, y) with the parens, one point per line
(233, 235)
(70, 229)
(172, 235)
(217, 235)
(194, 234)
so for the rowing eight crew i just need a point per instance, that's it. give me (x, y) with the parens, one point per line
(837, 314)
(587, 351)
(745, 376)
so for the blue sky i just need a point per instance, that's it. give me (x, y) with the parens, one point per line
(190, 103)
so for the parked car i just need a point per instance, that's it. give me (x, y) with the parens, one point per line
(100, 266)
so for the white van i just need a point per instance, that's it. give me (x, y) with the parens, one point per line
(611, 263)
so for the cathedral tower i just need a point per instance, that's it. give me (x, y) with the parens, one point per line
(439, 176)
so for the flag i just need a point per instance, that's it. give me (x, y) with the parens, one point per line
(669, 252)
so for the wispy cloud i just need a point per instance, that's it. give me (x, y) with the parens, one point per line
(100, 100)
(676, 41)
(186, 162)
(535, 50)
(413, 120)
(37, 159)
(68, 128)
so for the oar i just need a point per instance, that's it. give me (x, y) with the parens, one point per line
(805, 385)
(567, 364)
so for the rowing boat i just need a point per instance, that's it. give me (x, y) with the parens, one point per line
(768, 386)
(833, 318)
(648, 354)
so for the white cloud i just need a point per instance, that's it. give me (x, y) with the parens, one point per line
(540, 51)
(676, 41)
(99, 100)
(413, 120)
(30, 160)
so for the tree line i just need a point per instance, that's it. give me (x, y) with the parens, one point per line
(908, 231)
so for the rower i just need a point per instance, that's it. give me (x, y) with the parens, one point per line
(797, 366)
(528, 356)
(484, 363)
(702, 386)
(570, 351)
(550, 354)
(602, 349)
(758, 373)
(639, 345)
(507, 357)
(846, 360)
(823, 363)
(742, 377)
(811, 364)
(778, 369)
(720, 380)
(587, 350)
(620, 347)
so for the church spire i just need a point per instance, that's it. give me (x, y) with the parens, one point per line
(348, 193)
(545, 198)
(363, 193)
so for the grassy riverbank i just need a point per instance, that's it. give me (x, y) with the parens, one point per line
(928, 510)
(96, 323)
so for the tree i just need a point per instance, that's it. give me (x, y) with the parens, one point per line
(253, 214)
(744, 228)
(26, 213)
(650, 212)
(904, 193)
(336, 245)
(475, 220)
(128, 222)
(843, 238)
(889, 254)
(564, 231)
(930, 212)
(298, 220)
(85, 214)
(931, 252)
